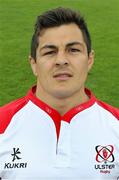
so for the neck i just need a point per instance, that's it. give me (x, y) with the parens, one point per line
(65, 104)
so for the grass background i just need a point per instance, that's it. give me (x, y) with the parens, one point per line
(17, 18)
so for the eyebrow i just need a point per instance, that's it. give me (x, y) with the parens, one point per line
(67, 45)
(74, 43)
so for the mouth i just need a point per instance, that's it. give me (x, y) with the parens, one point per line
(62, 76)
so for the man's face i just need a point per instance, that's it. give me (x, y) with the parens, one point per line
(62, 61)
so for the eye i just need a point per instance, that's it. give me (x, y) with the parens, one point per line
(49, 53)
(74, 50)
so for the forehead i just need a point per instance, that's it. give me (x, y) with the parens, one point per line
(61, 35)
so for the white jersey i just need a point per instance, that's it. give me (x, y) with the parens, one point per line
(36, 142)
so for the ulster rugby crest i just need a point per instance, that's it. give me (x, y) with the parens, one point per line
(104, 158)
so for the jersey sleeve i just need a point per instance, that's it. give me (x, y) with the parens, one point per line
(8, 111)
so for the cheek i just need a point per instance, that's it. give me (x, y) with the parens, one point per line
(43, 69)
(82, 67)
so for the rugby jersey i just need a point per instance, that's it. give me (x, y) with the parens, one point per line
(36, 142)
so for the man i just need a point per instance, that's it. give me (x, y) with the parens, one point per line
(59, 130)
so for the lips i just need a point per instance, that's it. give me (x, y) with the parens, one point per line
(62, 75)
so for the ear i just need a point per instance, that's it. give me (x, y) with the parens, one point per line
(90, 60)
(33, 65)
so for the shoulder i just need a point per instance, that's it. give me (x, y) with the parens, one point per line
(9, 110)
(113, 110)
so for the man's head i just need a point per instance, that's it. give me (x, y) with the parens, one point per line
(61, 54)
(57, 17)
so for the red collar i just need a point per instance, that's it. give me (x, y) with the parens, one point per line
(54, 113)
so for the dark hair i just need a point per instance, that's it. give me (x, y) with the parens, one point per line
(57, 17)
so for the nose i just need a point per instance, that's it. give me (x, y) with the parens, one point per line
(61, 60)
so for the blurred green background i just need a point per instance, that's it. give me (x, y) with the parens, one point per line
(17, 18)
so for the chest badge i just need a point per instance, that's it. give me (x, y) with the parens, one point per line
(104, 158)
